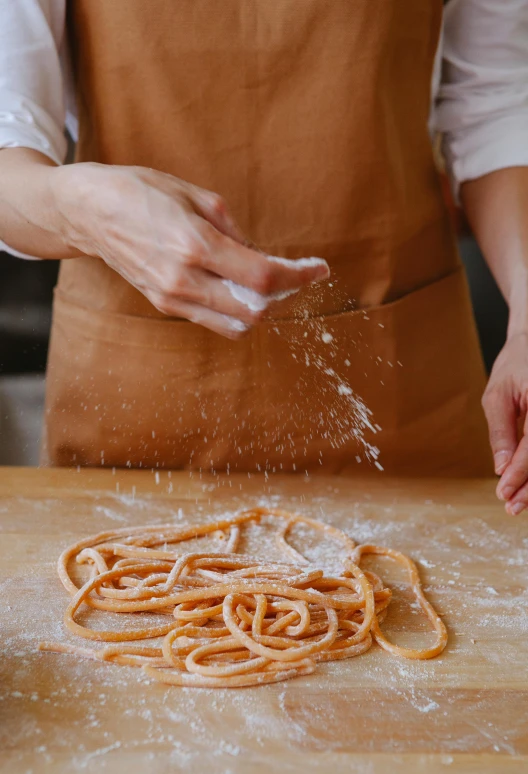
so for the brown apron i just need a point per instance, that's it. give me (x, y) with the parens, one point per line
(310, 118)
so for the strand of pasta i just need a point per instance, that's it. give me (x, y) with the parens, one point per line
(235, 619)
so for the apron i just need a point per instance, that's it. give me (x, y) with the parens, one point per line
(310, 119)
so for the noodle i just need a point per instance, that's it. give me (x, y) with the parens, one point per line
(233, 619)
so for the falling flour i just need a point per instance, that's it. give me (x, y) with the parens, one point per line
(342, 422)
(345, 418)
(343, 389)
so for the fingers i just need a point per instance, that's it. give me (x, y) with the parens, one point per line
(179, 245)
(511, 458)
(209, 205)
(200, 287)
(516, 474)
(217, 322)
(203, 233)
(519, 501)
(214, 209)
(254, 270)
(501, 415)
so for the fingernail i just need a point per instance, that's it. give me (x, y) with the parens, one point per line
(501, 461)
(505, 492)
(516, 509)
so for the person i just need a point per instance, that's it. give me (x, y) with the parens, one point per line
(217, 146)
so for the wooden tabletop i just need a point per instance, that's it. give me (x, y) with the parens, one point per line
(465, 711)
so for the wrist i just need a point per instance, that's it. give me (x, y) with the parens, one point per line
(74, 193)
(518, 306)
(29, 218)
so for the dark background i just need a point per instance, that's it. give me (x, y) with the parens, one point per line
(26, 289)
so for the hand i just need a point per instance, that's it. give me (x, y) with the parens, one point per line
(176, 243)
(505, 401)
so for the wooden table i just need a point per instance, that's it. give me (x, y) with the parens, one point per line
(464, 711)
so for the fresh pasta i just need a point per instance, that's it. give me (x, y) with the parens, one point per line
(230, 619)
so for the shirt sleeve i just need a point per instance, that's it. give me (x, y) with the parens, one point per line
(482, 104)
(32, 110)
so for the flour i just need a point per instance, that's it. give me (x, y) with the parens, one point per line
(344, 389)
(100, 751)
(232, 322)
(337, 416)
(257, 302)
(429, 707)
(253, 300)
(213, 730)
(299, 263)
(111, 514)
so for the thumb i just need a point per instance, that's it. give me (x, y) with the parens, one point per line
(501, 415)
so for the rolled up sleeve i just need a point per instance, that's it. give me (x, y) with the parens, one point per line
(482, 104)
(32, 110)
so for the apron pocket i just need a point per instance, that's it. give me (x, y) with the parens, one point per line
(396, 387)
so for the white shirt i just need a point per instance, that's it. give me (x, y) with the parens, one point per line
(480, 84)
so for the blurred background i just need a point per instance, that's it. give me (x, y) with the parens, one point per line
(26, 289)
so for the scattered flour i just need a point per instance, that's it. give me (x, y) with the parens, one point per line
(429, 707)
(185, 729)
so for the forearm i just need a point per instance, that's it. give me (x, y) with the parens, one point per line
(30, 217)
(497, 209)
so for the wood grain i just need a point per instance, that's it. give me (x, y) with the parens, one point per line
(466, 711)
